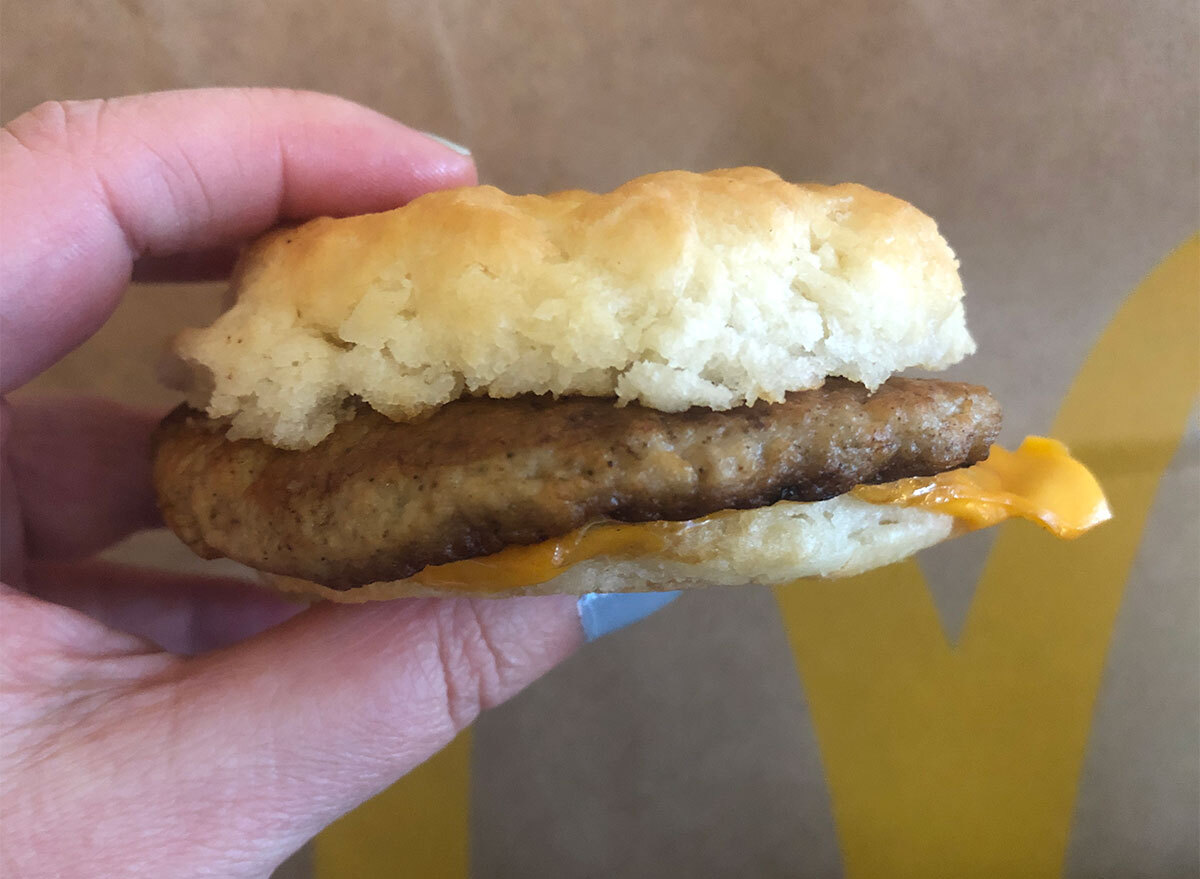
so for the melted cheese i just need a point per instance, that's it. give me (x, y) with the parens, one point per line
(1040, 482)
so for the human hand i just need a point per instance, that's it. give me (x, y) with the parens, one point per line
(119, 754)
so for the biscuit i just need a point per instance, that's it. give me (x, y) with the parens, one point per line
(674, 290)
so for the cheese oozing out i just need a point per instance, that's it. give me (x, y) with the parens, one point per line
(1040, 482)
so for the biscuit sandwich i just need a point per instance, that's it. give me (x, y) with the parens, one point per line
(690, 380)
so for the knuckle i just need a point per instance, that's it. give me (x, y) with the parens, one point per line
(473, 669)
(59, 125)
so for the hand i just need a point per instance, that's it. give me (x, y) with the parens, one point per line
(120, 757)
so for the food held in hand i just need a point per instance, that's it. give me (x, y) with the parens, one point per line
(690, 380)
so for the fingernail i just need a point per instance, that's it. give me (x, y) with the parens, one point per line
(602, 612)
(457, 147)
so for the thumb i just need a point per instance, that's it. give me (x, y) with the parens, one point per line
(321, 713)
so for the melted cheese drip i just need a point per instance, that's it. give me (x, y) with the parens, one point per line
(1040, 482)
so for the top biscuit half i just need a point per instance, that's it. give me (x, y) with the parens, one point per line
(672, 291)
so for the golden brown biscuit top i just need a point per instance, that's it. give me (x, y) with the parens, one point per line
(674, 290)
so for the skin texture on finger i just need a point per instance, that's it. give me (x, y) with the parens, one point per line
(183, 614)
(232, 760)
(91, 186)
(50, 657)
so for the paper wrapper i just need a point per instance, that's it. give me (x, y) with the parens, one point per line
(1008, 706)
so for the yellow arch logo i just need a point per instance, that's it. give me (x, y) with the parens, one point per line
(941, 760)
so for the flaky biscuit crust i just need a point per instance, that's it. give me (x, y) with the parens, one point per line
(674, 290)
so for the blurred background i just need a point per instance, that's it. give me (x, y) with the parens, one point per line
(1056, 145)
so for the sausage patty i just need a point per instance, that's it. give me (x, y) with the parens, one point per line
(380, 500)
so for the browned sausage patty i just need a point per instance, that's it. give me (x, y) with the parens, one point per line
(380, 500)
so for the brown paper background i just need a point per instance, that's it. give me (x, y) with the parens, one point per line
(1056, 144)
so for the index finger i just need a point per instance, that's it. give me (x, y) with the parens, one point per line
(90, 186)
